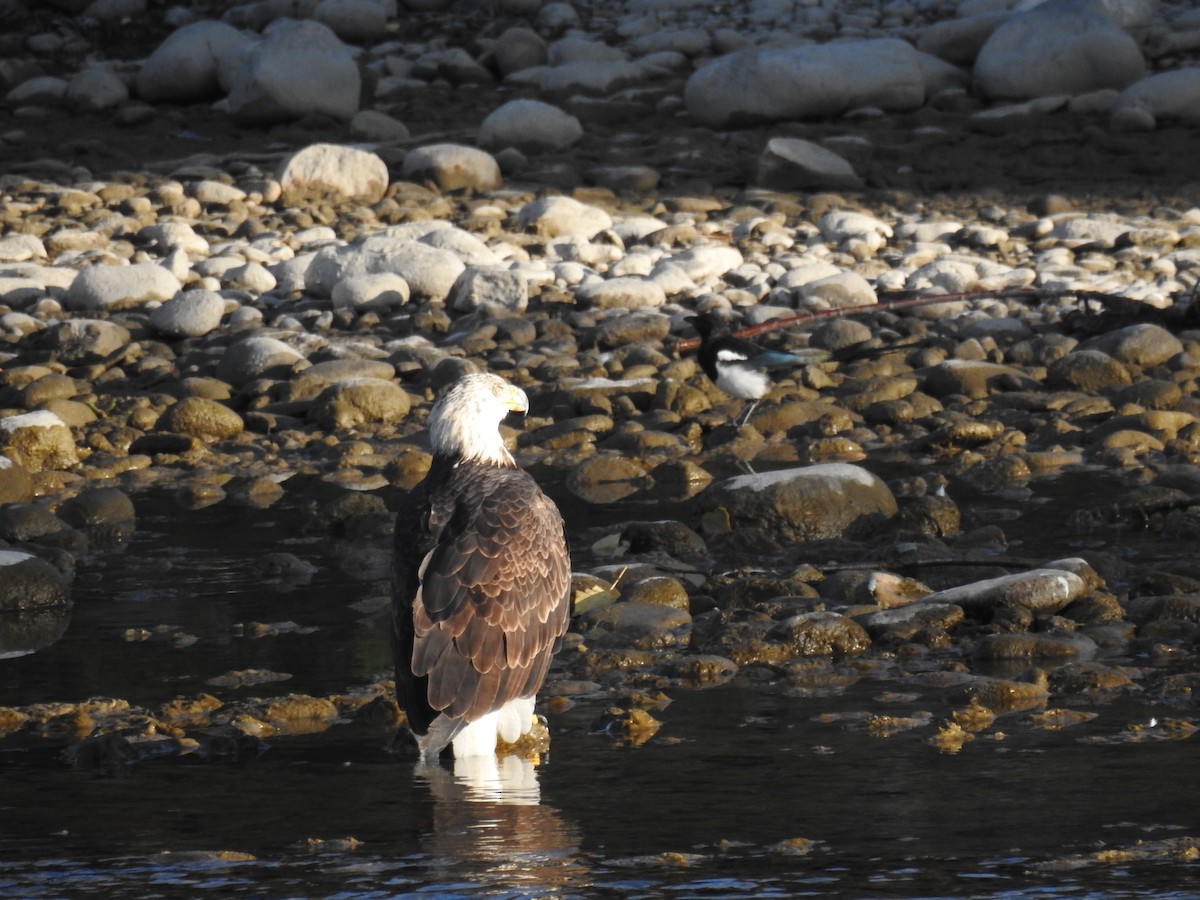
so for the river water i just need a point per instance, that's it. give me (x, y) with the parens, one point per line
(745, 791)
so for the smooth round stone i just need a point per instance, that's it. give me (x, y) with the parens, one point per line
(191, 313)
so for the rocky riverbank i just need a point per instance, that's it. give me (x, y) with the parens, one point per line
(281, 305)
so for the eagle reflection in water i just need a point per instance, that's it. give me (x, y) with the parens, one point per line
(490, 826)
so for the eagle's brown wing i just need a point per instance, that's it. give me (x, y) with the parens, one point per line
(492, 593)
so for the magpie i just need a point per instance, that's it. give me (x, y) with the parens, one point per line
(740, 367)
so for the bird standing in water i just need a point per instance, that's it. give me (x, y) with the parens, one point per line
(481, 580)
(740, 367)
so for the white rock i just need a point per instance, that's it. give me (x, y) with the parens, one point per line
(95, 89)
(453, 167)
(838, 291)
(217, 193)
(358, 21)
(470, 249)
(805, 273)
(806, 80)
(253, 277)
(530, 126)
(189, 314)
(1060, 47)
(429, 271)
(322, 171)
(377, 291)
(557, 215)
(299, 68)
(19, 247)
(1170, 95)
(707, 262)
(622, 293)
(792, 164)
(494, 286)
(196, 62)
(841, 226)
(116, 287)
(173, 234)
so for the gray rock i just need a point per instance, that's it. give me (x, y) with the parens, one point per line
(373, 125)
(332, 171)
(821, 633)
(196, 62)
(95, 89)
(38, 441)
(453, 167)
(800, 81)
(1060, 47)
(959, 41)
(79, 341)
(1087, 370)
(102, 287)
(29, 583)
(492, 286)
(518, 48)
(645, 626)
(359, 401)
(813, 503)
(358, 21)
(556, 215)
(629, 292)
(97, 506)
(377, 290)
(1042, 591)
(299, 68)
(531, 126)
(191, 313)
(255, 357)
(1141, 345)
(791, 164)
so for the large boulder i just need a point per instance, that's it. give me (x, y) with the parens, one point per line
(28, 583)
(1060, 47)
(453, 167)
(197, 62)
(298, 69)
(38, 441)
(101, 287)
(531, 126)
(807, 504)
(805, 81)
(331, 171)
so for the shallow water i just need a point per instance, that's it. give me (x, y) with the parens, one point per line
(745, 791)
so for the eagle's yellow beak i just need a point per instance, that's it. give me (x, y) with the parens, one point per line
(515, 399)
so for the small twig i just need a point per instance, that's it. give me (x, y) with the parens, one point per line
(1007, 562)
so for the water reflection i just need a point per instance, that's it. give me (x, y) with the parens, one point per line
(491, 827)
(22, 633)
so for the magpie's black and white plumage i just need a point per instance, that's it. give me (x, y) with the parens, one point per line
(740, 367)
(481, 580)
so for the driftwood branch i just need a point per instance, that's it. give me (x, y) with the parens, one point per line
(904, 300)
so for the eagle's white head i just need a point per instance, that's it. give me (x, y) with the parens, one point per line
(464, 423)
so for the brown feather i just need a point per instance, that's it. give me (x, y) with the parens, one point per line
(482, 591)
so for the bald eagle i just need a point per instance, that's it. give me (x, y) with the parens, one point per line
(481, 580)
